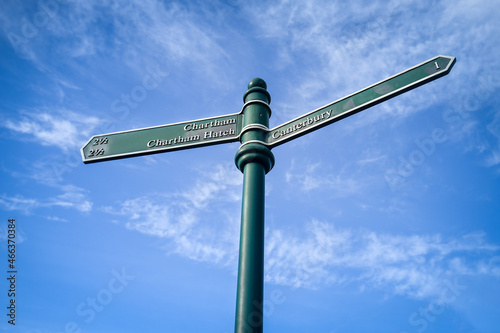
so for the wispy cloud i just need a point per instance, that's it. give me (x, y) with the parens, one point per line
(66, 129)
(342, 40)
(18, 203)
(493, 159)
(172, 33)
(312, 176)
(178, 217)
(413, 265)
(72, 197)
(322, 255)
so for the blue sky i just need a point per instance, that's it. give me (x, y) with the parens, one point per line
(386, 221)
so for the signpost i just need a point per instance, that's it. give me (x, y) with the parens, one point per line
(254, 158)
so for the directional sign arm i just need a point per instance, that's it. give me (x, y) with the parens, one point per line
(158, 139)
(393, 86)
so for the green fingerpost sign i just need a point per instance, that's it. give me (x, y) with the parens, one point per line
(361, 100)
(255, 159)
(159, 139)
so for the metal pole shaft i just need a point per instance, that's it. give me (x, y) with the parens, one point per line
(249, 314)
(254, 159)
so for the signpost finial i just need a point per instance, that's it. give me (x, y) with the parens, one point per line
(257, 82)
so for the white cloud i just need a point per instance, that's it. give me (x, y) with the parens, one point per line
(65, 129)
(178, 217)
(171, 33)
(18, 203)
(340, 41)
(493, 157)
(56, 218)
(179, 222)
(312, 176)
(71, 197)
(412, 265)
(322, 255)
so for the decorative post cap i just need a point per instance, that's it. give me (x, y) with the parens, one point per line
(257, 82)
(260, 86)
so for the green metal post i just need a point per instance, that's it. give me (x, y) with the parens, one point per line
(254, 159)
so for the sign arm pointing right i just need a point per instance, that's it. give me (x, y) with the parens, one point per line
(377, 93)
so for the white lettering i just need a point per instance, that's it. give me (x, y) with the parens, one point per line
(213, 123)
(302, 125)
(171, 142)
(219, 134)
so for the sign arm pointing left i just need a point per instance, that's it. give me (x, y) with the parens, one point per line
(158, 139)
